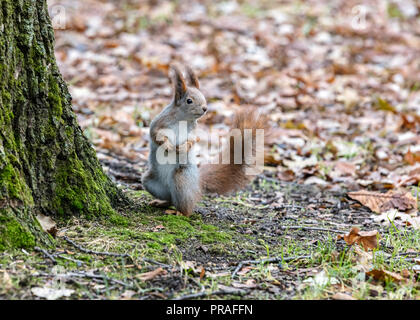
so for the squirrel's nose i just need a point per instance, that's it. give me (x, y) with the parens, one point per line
(204, 109)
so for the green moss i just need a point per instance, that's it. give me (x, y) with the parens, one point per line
(178, 229)
(54, 97)
(77, 191)
(118, 220)
(12, 182)
(155, 246)
(14, 235)
(214, 236)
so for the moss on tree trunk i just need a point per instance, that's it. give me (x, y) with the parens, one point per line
(47, 165)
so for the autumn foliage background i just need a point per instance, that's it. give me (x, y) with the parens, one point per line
(338, 79)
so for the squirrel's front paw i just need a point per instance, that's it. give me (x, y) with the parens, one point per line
(185, 147)
(168, 145)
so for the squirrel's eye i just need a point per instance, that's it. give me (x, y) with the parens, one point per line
(189, 101)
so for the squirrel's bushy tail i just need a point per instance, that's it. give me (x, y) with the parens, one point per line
(229, 177)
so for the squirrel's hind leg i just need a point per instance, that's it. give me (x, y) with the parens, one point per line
(160, 203)
(185, 192)
(152, 184)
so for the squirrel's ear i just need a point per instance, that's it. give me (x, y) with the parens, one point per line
(192, 78)
(180, 87)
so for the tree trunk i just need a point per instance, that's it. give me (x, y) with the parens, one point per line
(47, 165)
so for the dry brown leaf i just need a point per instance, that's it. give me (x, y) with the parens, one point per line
(202, 273)
(382, 202)
(412, 158)
(47, 224)
(245, 270)
(345, 168)
(151, 275)
(382, 275)
(367, 239)
(405, 273)
(273, 159)
(286, 175)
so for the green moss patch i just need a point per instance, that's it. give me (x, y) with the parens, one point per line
(13, 234)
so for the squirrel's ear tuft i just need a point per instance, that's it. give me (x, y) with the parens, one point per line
(180, 88)
(192, 78)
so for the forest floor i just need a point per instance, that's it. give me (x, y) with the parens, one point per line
(252, 245)
(339, 82)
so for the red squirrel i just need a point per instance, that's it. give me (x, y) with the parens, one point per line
(183, 184)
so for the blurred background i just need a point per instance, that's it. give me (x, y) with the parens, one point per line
(340, 80)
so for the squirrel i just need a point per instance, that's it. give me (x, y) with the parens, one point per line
(183, 184)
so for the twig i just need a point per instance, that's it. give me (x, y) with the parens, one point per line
(268, 260)
(112, 254)
(85, 275)
(157, 263)
(213, 293)
(312, 228)
(46, 254)
(409, 254)
(404, 254)
(70, 259)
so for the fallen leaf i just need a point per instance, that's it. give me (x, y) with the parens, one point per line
(412, 158)
(382, 275)
(151, 275)
(405, 273)
(381, 202)
(367, 239)
(342, 168)
(245, 270)
(202, 273)
(47, 224)
(286, 175)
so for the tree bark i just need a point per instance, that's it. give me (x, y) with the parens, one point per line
(47, 165)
